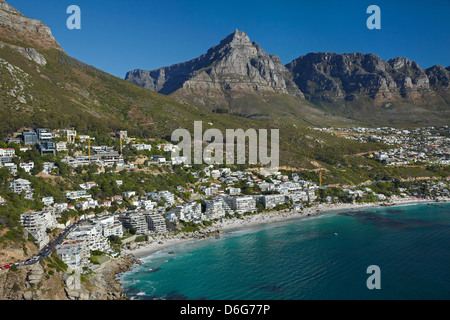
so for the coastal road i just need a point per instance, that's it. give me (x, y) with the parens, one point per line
(49, 247)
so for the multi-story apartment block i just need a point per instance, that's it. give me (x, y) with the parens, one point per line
(27, 166)
(156, 222)
(272, 200)
(19, 185)
(233, 191)
(61, 146)
(7, 152)
(36, 223)
(11, 166)
(242, 204)
(29, 137)
(70, 135)
(44, 134)
(134, 220)
(74, 253)
(115, 230)
(110, 226)
(188, 211)
(77, 194)
(142, 146)
(92, 234)
(214, 209)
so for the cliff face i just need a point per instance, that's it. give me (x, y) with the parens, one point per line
(16, 27)
(331, 76)
(234, 67)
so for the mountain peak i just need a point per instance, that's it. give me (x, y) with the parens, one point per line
(237, 38)
(15, 27)
(235, 67)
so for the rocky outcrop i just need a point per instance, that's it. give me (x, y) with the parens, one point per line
(439, 77)
(234, 67)
(36, 282)
(15, 26)
(29, 53)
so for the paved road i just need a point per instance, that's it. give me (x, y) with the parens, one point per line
(49, 247)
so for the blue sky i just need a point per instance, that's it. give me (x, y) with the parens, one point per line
(118, 36)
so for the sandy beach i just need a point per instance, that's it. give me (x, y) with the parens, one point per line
(227, 225)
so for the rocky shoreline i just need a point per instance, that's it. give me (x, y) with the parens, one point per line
(38, 282)
(103, 285)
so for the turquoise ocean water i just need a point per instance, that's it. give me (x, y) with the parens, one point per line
(321, 257)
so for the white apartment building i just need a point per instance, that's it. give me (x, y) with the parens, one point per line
(272, 200)
(233, 191)
(92, 234)
(142, 146)
(298, 196)
(188, 211)
(215, 174)
(19, 185)
(27, 166)
(61, 146)
(110, 226)
(146, 205)
(214, 209)
(179, 160)
(77, 194)
(12, 167)
(48, 201)
(48, 166)
(211, 191)
(74, 253)
(84, 205)
(36, 223)
(166, 195)
(115, 230)
(242, 204)
(7, 152)
(70, 135)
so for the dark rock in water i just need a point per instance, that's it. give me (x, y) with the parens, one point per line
(395, 211)
(171, 252)
(153, 270)
(171, 296)
(268, 287)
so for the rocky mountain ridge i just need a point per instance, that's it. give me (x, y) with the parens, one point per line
(333, 76)
(239, 74)
(236, 66)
